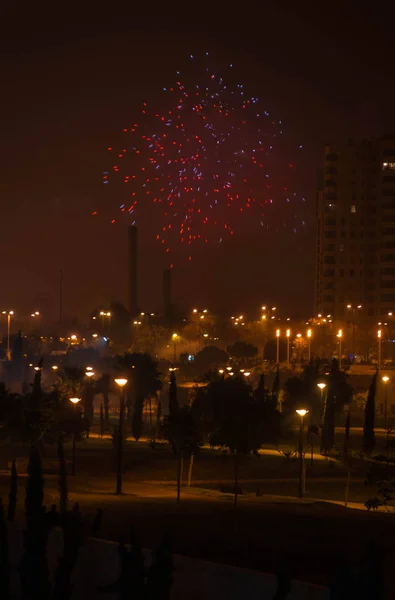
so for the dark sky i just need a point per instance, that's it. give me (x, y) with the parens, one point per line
(71, 81)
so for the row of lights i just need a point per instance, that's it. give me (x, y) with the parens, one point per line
(121, 382)
(231, 373)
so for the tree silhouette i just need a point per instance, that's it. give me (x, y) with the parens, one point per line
(33, 569)
(144, 380)
(4, 557)
(173, 401)
(235, 418)
(242, 350)
(13, 493)
(209, 358)
(369, 440)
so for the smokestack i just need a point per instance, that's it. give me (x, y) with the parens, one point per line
(132, 266)
(167, 294)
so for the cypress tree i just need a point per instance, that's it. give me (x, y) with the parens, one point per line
(173, 401)
(34, 573)
(4, 556)
(13, 493)
(328, 430)
(276, 383)
(369, 440)
(260, 392)
(101, 420)
(62, 478)
(34, 489)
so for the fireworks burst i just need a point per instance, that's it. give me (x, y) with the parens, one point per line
(210, 157)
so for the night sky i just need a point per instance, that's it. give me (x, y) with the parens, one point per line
(70, 83)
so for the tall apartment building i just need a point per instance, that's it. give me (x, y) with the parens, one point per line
(356, 230)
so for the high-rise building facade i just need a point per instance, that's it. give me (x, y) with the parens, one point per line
(356, 230)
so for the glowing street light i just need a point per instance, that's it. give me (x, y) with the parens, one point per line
(74, 401)
(385, 379)
(322, 386)
(121, 382)
(288, 335)
(302, 412)
(89, 374)
(9, 313)
(309, 333)
(278, 346)
(175, 337)
(339, 335)
(55, 367)
(379, 348)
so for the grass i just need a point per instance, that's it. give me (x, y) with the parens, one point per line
(266, 532)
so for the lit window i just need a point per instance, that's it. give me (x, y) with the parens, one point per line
(353, 208)
(389, 166)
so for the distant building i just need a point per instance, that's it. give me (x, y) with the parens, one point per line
(356, 230)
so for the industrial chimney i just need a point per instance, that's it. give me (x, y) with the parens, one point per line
(132, 266)
(167, 305)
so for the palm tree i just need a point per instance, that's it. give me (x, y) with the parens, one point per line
(144, 382)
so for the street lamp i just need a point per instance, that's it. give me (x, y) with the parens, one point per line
(121, 382)
(8, 313)
(354, 311)
(385, 379)
(302, 413)
(174, 337)
(89, 374)
(379, 348)
(322, 386)
(278, 346)
(288, 334)
(340, 335)
(309, 332)
(55, 367)
(75, 401)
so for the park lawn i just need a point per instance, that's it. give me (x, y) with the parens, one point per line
(264, 535)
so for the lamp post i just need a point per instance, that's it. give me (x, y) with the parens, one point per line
(288, 334)
(322, 386)
(302, 413)
(8, 313)
(75, 401)
(278, 346)
(340, 335)
(174, 337)
(354, 311)
(379, 350)
(385, 379)
(121, 382)
(309, 344)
